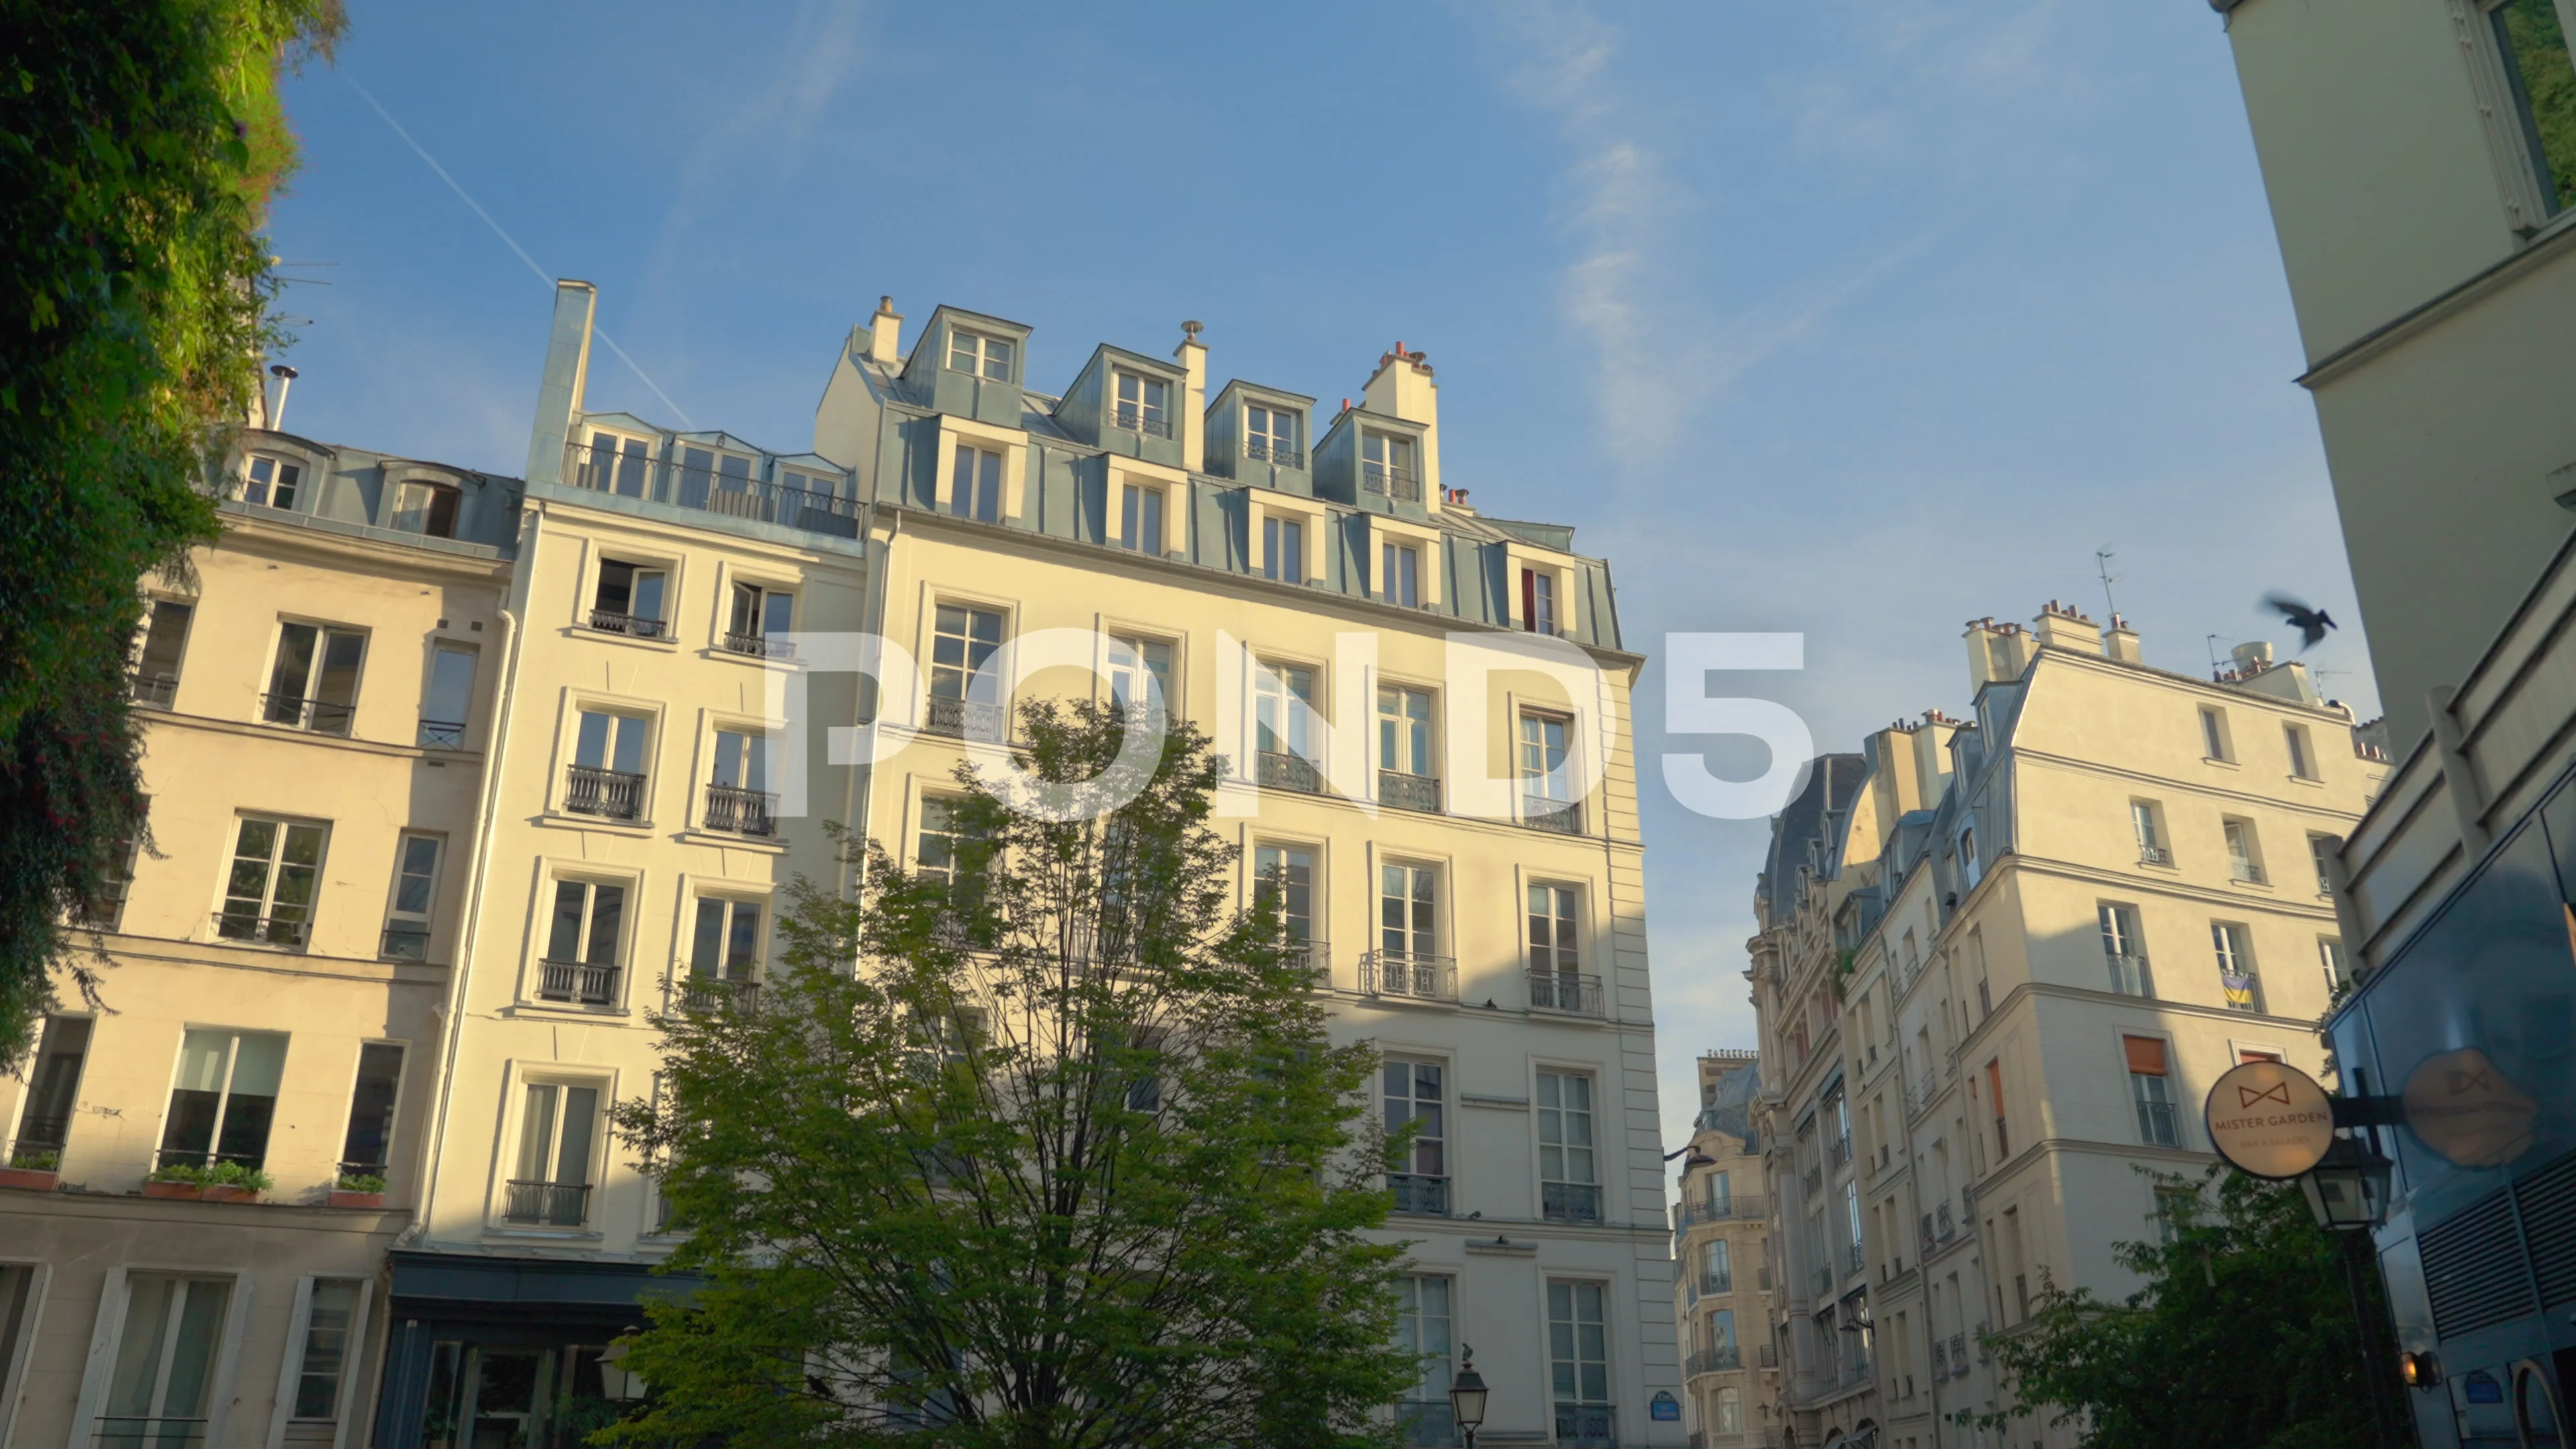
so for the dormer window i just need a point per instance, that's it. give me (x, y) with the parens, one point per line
(1142, 405)
(426, 508)
(1271, 434)
(975, 354)
(271, 481)
(1386, 467)
(1538, 601)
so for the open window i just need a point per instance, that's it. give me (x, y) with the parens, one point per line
(426, 508)
(559, 1125)
(224, 1103)
(164, 645)
(630, 600)
(269, 891)
(313, 683)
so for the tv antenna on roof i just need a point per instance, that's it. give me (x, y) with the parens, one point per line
(2102, 561)
(2213, 652)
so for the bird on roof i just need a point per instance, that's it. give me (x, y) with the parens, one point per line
(2312, 624)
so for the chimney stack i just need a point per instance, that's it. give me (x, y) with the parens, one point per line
(1192, 356)
(1402, 388)
(885, 333)
(2063, 626)
(2121, 642)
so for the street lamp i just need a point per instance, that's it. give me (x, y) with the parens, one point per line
(1467, 1395)
(2347, 1191)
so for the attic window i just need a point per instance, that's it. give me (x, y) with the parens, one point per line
(1141, 405)
(976, 354)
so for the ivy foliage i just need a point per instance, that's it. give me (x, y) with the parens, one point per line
(139, 143)
(1046, 1149)
(2244, 1336)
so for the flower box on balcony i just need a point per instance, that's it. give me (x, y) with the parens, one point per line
(201, 1191)
(341, 1199)
(29, 1179)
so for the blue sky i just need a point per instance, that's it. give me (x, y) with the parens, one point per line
(1853, 319)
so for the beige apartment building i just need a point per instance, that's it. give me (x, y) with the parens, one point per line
(314, 694)
(688, 698)
(1721, 1300)
(2003, 958)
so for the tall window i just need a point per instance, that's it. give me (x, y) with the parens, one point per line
(368, 1144)
(1271, 433)
(1399, 574)
(2235, 966)
(581, 962)
(934, 854)
(1995, 1095)
(2533, 42)
(407, 920)
(1716, 1267)
(1143, 404)
(1556, 951)
(759, 613)
(615, 465)
(1404, 730)
(2151, 1090)
(1413, 1097)
(1283, 709)
(2330, 956)
(2151, 846)
(273, 481)
(1547, 793)
(1283, 549)
(2244, 859)
(1852, 1239)
(314, 683)
(105, 910)
(742, 762)
(558, 1122)
(225, 1100)
(2321, 849)
(1140, 673)
(2302, 762)
(426, 508)
(1386, 465)
(1569, 1178)
(965, 640)
(1730, 1410)
(165, 643)
(1423, 1317)
(1286, 874)
(268, 895)
(975, 353)
(608, 758)
(53, 1090)
(330, 1326)
(1578, 1359)
(444, 704)
(975, 486)
(161, 1390)
(1538, 601)
(2213, 734)
(1140, 518)
(725, 945)
(2121, 951)
(1409, 911)
(629, 599)
(1718, 1190)
(1718, 1330)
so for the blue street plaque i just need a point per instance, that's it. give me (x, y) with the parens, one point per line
(1663, 1407)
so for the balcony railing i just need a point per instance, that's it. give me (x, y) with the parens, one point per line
(2128, 973)
(1149, 421)
(582, 982)
(741, 812)
(2154, 855)
(441, 734)
(39, 1138)
(1389, 482)
(1723, 1359)
(184, 1157)
(405, 943)
(961, 719)
(1713, 1284)
(1941, 1221)
(1561, 817)
(155, 691)
(1403, 791)
(2158, 1125)
(1565, 991)
(759, 646)
(589, 790)
(132, 1431)
(1427, 1423)
(320, 716)
(1418, 1194)
(1569, 1202)
(1278, 771)
(709, 491)
(1839, 1150)
(1276, 454)
(1734, 1205)
(1940, 1360)
(634, 626)
(1399, 973)
(1814, 1181)
(1587, 1426)
(553, 1204)
(290, 931)
(717, 993)
(1959, 1354)
(2244, 872)
(1929, 1242)
(1854, 1259)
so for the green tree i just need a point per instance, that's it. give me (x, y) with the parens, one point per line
(140, 141)
(2243, 1337)
(1045, 1150)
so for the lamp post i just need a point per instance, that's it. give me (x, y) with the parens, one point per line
(1467, 1395)
(2347, 1192)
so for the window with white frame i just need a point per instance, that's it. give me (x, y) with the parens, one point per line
(1140, 673)
(17, 1315)
(1556, 952)
(934, 851)
(630, 599)
(449, 698)
(224, 1103)
(2148, 825)
(407, 919)
(1424, 1315)
(613, 464)
(2244, 855)
(975, 484)
(367, 1146)
(760, 614)
(1547, 787)
(2321, 849)
(53, 1092)
(1270, 434)
(609, 752)
(1140, 518)
(1568, 1176)
(1413, 1097)
(724, 940)
(1399, 574)
(426, 508)
(2330, 957)
(1386, 466)
(163, 645)
(313, 682)
(269, 891)
(323, 1361)
(1409, 911)
(1283, 548)
(2213, 734)
(2303, 759)
(1578, 1357)
(1729, 1415)
(558, 1124)
(2531, 40)
(1716, 1267)
(739, 799)
(1283, 710)
(2233, 947)
(1404, 747)
(270, 480)
(1286, 874)
(965, 699)
(1538, 601)
(583, 934)
(1143, 405)
(2121, 951)
(979, 355)
(2151, 1090)
(170, 1344)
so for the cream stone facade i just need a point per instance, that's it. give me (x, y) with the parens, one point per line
(2002, 960)
(314, 693)
(1722, 1299)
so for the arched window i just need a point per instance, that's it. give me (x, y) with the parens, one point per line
(1730, 1410)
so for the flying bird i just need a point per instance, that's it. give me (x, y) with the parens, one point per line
(2312, 624)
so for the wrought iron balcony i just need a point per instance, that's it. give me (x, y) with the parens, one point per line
(1959, 1354)
(1587, 1426)
(1734, 1205)
(1723, 1359)
(734, 495)
(758, 646)
(1713, 1284)
(1941, 1221)
(290, 931)
(1278, 771)
(2128, 973)
(2154, 855)
(552, 1204)
(1940, 1360)
(1402, 790)
(1390, 482)
(1570, 1202)
(1565, 991)
(634, 626)
(2244, 872)
(405, 943)
(38, 1139)
(199, 1158)
(582, 982)
(1401, 973)
(1929, 1242)
(1278, 455)
(741, 812)
(1854, 1258)
(1419, 1195)
(1561, 817)
(1840, 1149)
(717, 993)
(322, 717)
(1127, 417)
(137, 1431)
(589, 790)
(1813, 1181)
(441, 734)
(155, 691)
(2158, 1125)
(961, 719)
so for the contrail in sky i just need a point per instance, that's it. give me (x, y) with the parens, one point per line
(512, 242)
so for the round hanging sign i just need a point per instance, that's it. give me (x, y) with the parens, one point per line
(2270, 1119)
